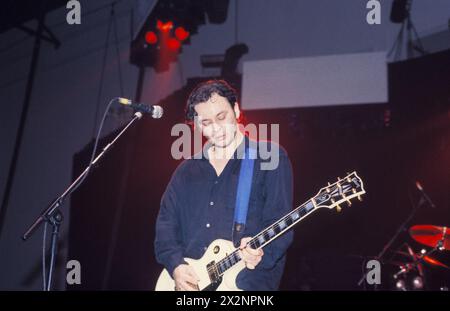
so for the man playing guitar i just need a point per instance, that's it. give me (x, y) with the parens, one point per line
(199, 202)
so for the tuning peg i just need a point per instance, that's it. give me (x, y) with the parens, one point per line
(349, 203)
(338, 208)
(349, 179)
(359, 198)
(328, 189)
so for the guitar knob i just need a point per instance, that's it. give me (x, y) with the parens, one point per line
(338, 208)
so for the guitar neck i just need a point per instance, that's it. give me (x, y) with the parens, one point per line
(342, 191)
(281, 226)
(270, 233)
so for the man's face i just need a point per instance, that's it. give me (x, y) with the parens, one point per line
(217, 120)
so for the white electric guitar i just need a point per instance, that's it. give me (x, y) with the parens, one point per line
(221, 263)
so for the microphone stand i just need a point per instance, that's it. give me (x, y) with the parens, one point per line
(53, 214)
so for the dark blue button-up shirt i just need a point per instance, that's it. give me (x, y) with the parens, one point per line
(198, 207)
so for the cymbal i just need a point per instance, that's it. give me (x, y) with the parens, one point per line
(430, 235)
(434, 262)
(427, 259)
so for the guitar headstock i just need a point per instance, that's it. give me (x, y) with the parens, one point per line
(342, 191)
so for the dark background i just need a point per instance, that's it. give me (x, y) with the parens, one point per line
(390, 146)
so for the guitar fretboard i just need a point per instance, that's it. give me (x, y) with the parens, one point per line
(267, 235)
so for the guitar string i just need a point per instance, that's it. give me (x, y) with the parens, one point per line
(226, 260)
(252, 242)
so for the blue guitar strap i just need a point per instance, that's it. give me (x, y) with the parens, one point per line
(243, 192)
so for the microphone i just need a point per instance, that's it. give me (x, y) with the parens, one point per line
(155, 111)
(424, 195)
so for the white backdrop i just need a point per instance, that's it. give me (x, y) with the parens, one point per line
(315, 81)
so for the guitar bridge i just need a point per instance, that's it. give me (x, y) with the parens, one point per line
(214, 277)
(213, 272)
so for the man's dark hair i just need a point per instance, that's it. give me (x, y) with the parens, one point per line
(203, 93)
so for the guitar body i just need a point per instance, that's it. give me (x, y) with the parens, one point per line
(216, 251)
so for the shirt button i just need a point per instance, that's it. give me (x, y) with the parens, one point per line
(216, 182)
(208, 225)
(205, 248)
(211, 203)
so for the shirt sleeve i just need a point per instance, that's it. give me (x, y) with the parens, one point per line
(279, 201)
(168, 242)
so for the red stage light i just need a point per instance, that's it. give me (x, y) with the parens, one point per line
(150, 37)
(173, 44)
(164, 27)
(181, 33)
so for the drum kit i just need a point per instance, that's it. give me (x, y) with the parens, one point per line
(417, 270)
(413, 265)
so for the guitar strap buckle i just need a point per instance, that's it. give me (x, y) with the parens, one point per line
(238, 227)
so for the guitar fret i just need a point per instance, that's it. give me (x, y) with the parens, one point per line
(226, 263)
(276, 228)
(229, 262)
(260, 240)
(236, 256)
(232, 260)
(254, 243)
(289, 221)
(309, 206)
